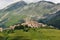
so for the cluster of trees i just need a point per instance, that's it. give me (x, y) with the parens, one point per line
(21, 27)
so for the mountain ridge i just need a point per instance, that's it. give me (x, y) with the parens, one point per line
(21, 10)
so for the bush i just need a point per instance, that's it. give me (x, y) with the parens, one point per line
(18, 38)
(2, 38)
(19, 27)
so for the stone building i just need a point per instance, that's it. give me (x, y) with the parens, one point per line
(32, 24)
(1, 29)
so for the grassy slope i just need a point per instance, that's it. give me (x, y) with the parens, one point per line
(40, 34)
(35, 9)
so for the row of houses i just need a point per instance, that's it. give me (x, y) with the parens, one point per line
(32, 24)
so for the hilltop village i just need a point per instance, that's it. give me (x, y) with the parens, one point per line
(28, 22)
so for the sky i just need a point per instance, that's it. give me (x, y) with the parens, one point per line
(4, 3)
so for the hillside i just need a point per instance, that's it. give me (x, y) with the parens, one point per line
(33, 21)
(54, 20)
(16, 12)
(40, 34)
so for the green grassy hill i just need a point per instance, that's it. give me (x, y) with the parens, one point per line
(39, 34)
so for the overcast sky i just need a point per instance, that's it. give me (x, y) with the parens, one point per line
(4, 3)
